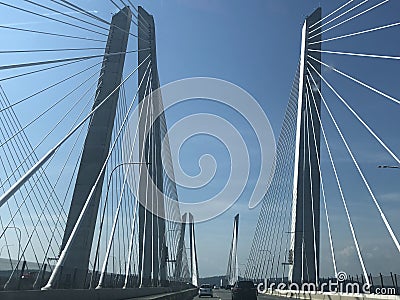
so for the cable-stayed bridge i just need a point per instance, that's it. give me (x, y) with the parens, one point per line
(318, 155)
(83, 226)
(86, 162)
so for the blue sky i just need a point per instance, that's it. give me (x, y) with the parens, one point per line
(256, 45)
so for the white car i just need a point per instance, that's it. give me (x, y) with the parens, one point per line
(205, 290)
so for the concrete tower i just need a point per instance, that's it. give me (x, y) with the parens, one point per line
(95, 152)
(152, 236)
(232, 274)
(305, 230)
(194, 266)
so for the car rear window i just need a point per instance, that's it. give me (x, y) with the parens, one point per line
(207, 286)
(245, 284)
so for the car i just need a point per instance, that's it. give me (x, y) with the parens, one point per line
(205, 290)
(244, 290)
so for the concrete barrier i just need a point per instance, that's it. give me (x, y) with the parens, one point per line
(181, 295)
(101, 294)
(330, 295)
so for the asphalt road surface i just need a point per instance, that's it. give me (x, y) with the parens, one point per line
(226, 295)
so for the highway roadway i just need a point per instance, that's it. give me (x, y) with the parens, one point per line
(226, 295)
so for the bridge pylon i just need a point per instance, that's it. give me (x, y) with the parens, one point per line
(194, 266)
(232, 273)
(152, 234)
(181, 249)
(305, 227)
(76, 258)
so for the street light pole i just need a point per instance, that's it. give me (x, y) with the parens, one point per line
(388, 167)
(6, 245)
(19, 237)
(19, 250)
(103, 271)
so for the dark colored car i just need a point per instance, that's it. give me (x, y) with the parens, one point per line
(244, 290)
(205, 290)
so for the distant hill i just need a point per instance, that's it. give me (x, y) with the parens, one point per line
(5, 264)
(214, 280)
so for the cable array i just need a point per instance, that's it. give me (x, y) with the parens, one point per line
(42, 138)
(271, 256)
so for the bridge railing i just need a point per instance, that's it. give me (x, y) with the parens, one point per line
(381, 284)
(387, 283)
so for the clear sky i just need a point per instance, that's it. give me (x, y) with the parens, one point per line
(256, 45)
